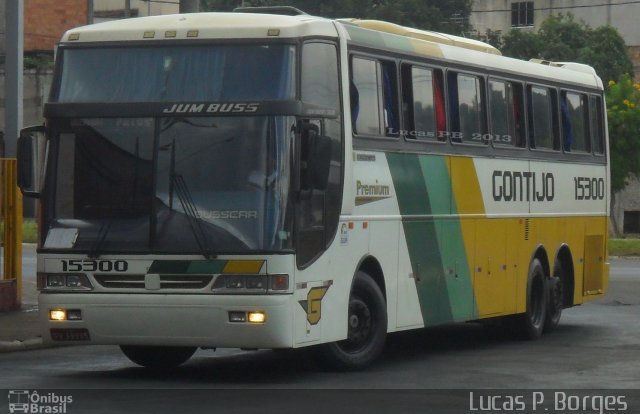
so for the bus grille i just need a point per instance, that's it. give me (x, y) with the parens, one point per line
(112, 281)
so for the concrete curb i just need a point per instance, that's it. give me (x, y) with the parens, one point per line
(27, 344)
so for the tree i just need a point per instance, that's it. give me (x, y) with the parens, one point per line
(450, 17)
(562, 39)
(623, 112)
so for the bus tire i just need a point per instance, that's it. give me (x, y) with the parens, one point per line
(367, 328)
(158, 357)
(531, 323)
(555, 291)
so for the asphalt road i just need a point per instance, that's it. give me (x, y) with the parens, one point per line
(596, 346)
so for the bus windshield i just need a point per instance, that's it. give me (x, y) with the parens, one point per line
(175, 185)
(177, 73)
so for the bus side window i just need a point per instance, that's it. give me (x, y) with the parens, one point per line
(390, 99)
(542, 119)
(419, 103)
(365, 77)
(597, 126)
(376, 109)
(466, 105)
(505, 109)
(574, 109)
(441, 113)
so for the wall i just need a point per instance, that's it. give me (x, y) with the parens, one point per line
(36, 91)
(105, 10)
(46, 20)
(627, 199)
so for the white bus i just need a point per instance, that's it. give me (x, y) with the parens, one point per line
(263, 180)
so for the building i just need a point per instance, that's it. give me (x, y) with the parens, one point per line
(504, 15)
(44, 23)
(105, 10)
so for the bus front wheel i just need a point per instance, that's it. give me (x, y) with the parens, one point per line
(367, 327)
(531, 323)
(158, 357)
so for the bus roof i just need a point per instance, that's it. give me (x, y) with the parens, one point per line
(203, 26)
(373, 33)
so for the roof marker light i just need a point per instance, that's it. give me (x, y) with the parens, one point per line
(149, 35)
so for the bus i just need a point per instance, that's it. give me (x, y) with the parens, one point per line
(267, 179)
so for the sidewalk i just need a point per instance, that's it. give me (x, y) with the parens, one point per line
(19, 329)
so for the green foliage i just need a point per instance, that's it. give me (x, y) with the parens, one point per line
(624, 247)
(449, 17)
(562, 39)
(520, 44)
(623, 111)
(40, 61)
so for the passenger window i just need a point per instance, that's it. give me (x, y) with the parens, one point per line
(374, 100)
(365, 88)
(541, 119)
(419, 103)
(466, 108)
(505, 109)
(597, 125)
(575, 125)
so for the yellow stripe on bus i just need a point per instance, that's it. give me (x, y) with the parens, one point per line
(243, 266)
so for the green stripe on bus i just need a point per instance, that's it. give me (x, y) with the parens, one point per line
(187, 266)
(421, 237)
(435, 171)
(436, 246)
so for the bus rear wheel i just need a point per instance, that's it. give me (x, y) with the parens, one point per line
(531, 323)
(158, 357)
(556, 298)
(367, 327)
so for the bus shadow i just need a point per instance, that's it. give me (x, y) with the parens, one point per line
(270, 369)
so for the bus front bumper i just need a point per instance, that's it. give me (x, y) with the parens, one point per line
(167, 320)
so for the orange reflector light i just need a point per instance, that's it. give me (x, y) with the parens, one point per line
(365, 225)
(279, 282)
(351, 226)
(57, 315)
(257, 317)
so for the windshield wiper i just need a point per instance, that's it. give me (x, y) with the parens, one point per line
(193, 216)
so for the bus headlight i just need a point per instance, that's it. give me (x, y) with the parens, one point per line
(250, 284)
(63, 281)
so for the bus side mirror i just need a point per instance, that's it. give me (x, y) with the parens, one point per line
(316, 160)
(31, 155)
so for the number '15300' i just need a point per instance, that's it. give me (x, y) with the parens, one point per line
(88, 265)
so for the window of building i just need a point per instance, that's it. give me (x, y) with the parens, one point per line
(507, 116)
(631, 222)
(575, 122)
(522, 14)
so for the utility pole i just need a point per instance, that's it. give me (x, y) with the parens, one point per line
(189, 6)
(14, 39)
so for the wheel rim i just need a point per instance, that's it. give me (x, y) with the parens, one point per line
(361, 326)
